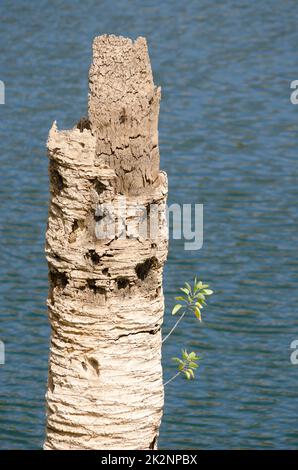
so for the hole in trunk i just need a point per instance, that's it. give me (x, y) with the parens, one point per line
(57, 182)
(99, 187)
(58, 179)
(84, 123)
(122, 282)
(143, 269)
(58, 279)
(95, 258)
(94, 288)
(73, 236)
(94, 363)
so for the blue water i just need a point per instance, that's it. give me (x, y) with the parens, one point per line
(228, 139)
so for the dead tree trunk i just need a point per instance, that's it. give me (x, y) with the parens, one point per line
(106, 304)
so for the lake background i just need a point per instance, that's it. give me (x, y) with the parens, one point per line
(228, 139)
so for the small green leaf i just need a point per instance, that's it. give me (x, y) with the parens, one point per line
(199, 305)
(184, 354)
(188, 286)
(197, 313)
(180, 298)
(193, 365)
(176, 309)
(185, 290)
(176, 359)
(208, 291)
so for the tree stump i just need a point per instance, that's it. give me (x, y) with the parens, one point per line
(105, 388)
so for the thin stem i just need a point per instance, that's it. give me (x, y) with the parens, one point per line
(172, 378)
(176, 324)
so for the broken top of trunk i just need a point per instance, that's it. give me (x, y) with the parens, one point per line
(123, 111)
(105, 303)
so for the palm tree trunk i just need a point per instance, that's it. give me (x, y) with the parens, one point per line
(106, 252)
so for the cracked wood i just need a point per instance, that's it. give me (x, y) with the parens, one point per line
(105, 300)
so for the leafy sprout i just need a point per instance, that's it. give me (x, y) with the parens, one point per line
(188, 364)
(193, 298)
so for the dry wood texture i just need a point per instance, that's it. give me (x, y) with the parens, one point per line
(105, 301)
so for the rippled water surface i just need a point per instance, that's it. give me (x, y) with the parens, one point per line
(228, 139)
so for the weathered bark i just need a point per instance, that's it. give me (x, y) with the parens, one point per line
(106, 303)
